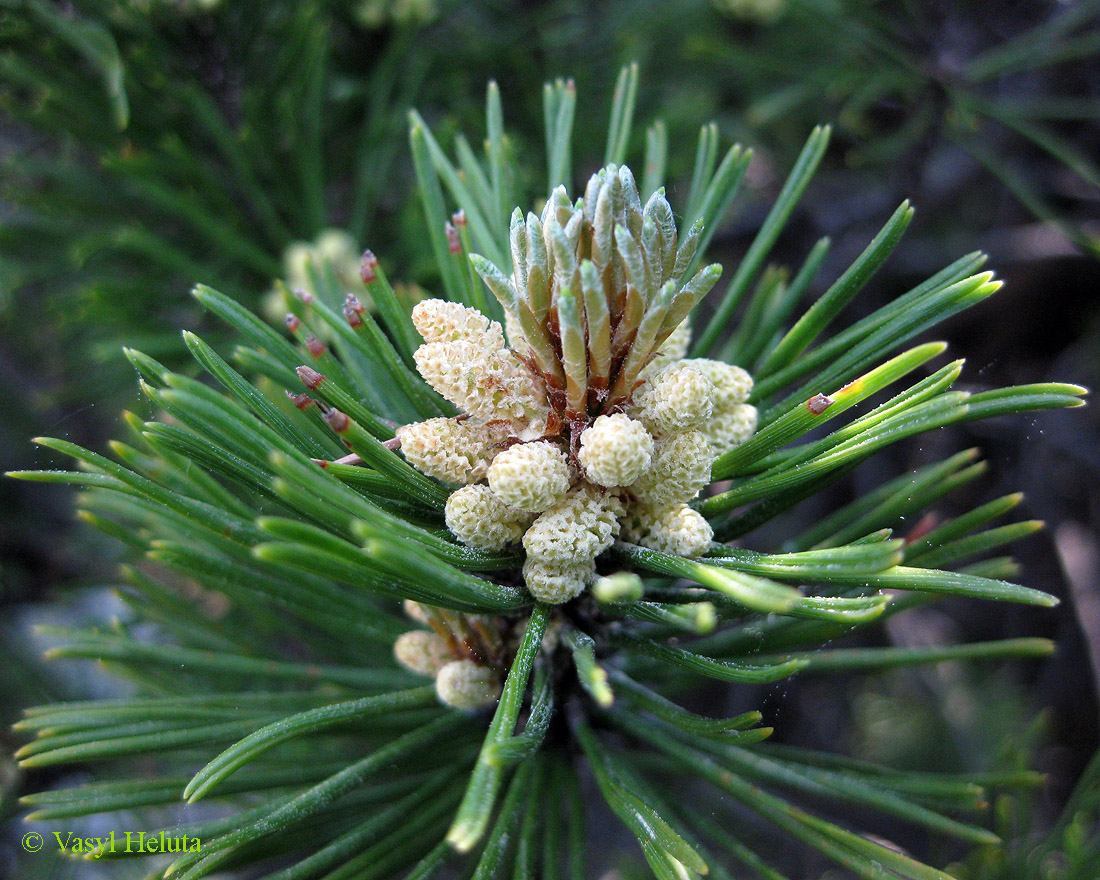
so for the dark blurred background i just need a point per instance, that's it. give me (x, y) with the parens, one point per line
(151, 144)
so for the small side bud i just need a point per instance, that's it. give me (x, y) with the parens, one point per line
(732, 385)
(303, 295)
(706, 618)
(292, 323)
(731, 427)
(314, 345)
(458, 218)
(623, 586)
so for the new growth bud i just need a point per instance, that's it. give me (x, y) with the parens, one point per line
(557, 582)
(450, 450)
(675, 529)
(585, 419)
(681, 468)
(530, 476)
(677, 398)
(615, 450)
(577, 529)
(479, 519)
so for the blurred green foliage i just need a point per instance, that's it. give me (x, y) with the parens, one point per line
(153, 144)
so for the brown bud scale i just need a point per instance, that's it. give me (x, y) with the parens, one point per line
(310, 377)
(453, 242)
(367, 266)
(337, 420)
(353, 317)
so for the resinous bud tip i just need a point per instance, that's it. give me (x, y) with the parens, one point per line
(301, 401)
(453, 242)
(368, 265)
(310, 377)
(336, 420)
(353, 311)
